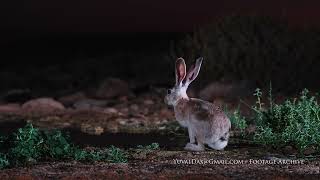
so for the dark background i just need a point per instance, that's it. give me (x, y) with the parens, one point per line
(34, 27)
(43, 42)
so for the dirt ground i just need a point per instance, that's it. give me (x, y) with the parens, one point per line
(162, 164)
(131, 121)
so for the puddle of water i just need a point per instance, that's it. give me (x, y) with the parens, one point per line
(126, 140)
(122, 140)
(7, 128)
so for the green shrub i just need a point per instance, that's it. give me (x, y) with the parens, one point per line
(30, 145)
(27, 145)
(151, 147)
(92, 156)
(116, 155)
(237, 121)
(4, 162)
(112, 154)
(57, 145)
(295, 122)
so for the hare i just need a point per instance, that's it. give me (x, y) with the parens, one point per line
(206, 123)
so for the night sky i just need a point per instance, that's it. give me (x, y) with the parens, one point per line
(32, 28)
(140, 15)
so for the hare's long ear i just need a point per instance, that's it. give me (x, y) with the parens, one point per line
(180, 71)
(193, 71)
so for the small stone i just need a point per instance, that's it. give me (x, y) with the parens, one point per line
(93, 130)
(11, 107)
(134, 107)
(110, 110)
(148, 102)
(145, 111)
(310, 150)
(122, 121)
(123, 98)
(124, 111)
(165, 112)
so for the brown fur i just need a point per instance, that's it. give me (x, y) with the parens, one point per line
(202, 110)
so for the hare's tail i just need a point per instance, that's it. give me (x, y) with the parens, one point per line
(221, 143)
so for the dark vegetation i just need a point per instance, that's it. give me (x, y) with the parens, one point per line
(257, 49)
(252, 48)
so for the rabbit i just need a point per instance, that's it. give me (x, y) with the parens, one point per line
(206, 122)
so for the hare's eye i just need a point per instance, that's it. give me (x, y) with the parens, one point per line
(169, 91)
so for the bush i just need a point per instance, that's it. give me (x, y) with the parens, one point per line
(237, 121)
(94, 155)
(27, 145)
(295, 122)
(151, 147)
(30, 145)
(254, 48)
(57, 145)
(116, 155)
(3, 161)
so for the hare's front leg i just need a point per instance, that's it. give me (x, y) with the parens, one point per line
(192, 136)
(191, 146)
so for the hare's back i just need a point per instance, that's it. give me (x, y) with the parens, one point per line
(204, 110)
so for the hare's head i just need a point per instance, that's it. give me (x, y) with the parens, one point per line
(183, 80)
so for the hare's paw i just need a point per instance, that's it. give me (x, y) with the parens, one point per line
(193, 147)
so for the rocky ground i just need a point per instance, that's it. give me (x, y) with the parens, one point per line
(116, 114)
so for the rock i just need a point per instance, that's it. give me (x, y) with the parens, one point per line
(134, 108)
(148, 102)
(145, 111)
(69, 100)
(215, 89)
(51, 122)
(124, 111)
(228, 90)
(110, 110)
(111, 88)
(166, 113)
(90, 129)
(11, 107)
(310, 150)
(290, 150)
(89, 104)
(123, 99)
(43, 105)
